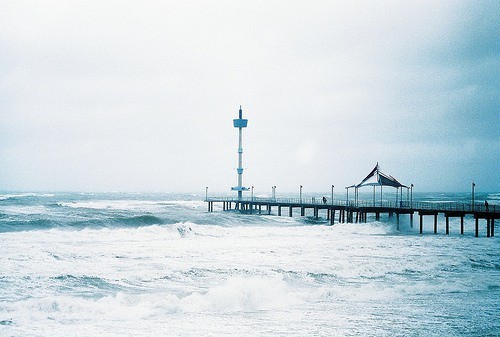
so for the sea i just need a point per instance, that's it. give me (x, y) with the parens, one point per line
(160, 264)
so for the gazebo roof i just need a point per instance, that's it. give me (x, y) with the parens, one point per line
(377, 178)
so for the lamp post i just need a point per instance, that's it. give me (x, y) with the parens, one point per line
(206, 193)
(332, 194)
(252, 193)
(300, 194)
(473, 187)
(274, 193)
(411, 196)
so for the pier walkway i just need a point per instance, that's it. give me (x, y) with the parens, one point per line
(357, 211)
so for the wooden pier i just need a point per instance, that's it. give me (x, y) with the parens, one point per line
(354, 212)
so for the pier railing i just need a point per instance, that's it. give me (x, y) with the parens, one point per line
(451, 206)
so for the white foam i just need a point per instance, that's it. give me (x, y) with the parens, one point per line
(243, 294)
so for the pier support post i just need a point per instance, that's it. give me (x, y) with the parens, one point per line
(279, 210)
(377, 216)
(411, 220)
(302, 211)
(488, 228)
(492, 227)
(435, 223)
(477, 227)
(462, 225)
(332, 217)
(421, 223)
(447, 225)
(290, 211)
(397, 220)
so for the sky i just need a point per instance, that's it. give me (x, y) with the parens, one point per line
(105, 96)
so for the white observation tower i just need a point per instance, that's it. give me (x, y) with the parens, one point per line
(240, 123)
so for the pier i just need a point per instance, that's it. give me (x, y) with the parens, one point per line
(342, 211)
(348, 211)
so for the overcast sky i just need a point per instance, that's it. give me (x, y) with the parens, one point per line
(140, 95)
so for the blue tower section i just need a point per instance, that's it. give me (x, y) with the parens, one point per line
(240, 123)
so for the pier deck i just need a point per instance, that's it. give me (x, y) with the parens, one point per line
(351, 211)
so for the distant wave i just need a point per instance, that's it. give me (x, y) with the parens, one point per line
(113, 222)
(24, 195)
(140, 220)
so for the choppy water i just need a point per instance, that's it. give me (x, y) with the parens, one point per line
(149, 265)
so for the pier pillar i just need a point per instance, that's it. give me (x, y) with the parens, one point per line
(332, 217)
(279, 210)
(340, 215)
(260, 209)
(397, 220)
(357, 216)
(492, 227)
(477, 227)
(488, 228)
(316, 212)
(411, 220)
(268, 209)
(462, 225)
(328, 211)
(435, 223)
(421, 223)
(447, 225)
(302, 211)
(377, 216)
(290, 211)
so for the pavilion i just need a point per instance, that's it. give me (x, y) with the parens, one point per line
(377, 178)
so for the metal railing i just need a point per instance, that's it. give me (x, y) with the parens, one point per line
(415, 205)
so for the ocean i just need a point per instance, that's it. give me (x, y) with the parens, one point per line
(83, 264)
